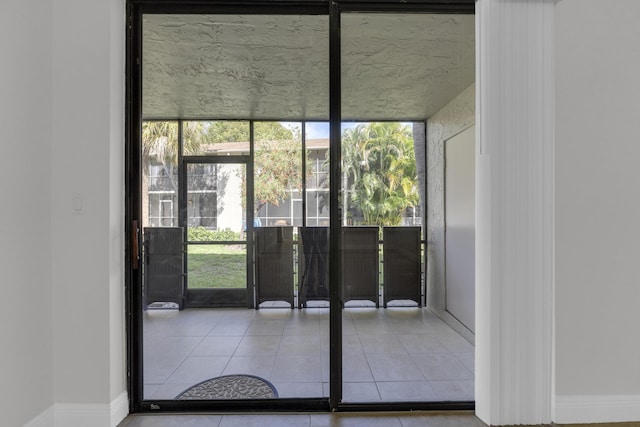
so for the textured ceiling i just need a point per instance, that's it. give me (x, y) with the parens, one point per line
(277, 67)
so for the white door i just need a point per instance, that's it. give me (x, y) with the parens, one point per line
(460, 226)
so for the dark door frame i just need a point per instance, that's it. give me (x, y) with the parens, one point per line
(218, 297)
(133, 132)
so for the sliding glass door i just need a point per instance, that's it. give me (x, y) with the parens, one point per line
(397, 69)
(228, 180)
(277, 158)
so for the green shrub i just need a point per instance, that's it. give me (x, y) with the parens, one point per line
(202, 234)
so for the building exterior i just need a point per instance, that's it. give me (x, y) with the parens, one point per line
(163, 194)
(215, 185)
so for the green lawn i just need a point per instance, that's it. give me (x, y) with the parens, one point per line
(217, 266)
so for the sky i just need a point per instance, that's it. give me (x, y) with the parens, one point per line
(318, 130)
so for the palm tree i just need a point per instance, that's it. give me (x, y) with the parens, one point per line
(380, 169)
(354, 151)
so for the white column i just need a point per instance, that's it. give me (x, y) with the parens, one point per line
(514, 211)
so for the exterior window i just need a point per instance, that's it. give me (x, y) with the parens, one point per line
(202, 195)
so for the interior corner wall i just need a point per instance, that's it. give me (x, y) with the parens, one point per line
(458, 115)
(116, 174)
(597, 239)
(26, 370)
(87, 206)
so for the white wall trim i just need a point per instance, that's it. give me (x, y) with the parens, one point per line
(45, 419)
(83, 415)
(455, 324)
(119, 408)
(596, 409)
(514, 211)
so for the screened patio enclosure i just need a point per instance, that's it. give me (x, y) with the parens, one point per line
(282, 153)
(289, 215)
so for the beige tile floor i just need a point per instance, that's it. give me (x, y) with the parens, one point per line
(393, 354)
(458, 419)
(381, 419)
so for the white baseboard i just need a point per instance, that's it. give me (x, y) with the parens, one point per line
(94, 415)
(596, 409)
(45, 419)
(119, 408)
(456, 325)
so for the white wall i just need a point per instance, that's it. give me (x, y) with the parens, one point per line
(458, 115)
(62, 115)
(25, 226)
(87, 159)
(597, 206)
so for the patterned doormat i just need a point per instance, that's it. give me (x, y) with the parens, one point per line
(230, 387)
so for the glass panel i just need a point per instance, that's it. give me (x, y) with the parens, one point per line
(317, 158)
(159, 173)
(215, 201)
(277, 173)
(380, 181)
(218, 72)
(222, 137)
(398, 71)
(215, 208)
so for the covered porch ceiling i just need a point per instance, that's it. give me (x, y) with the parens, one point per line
(394, 66)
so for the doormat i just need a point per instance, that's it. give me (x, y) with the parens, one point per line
(230, 387)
